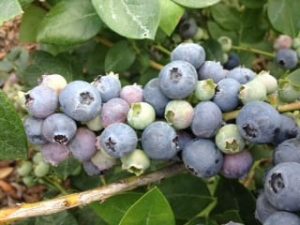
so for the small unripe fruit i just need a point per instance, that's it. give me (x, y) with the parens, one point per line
(287, 91)
(24, 168)
(103, 161)
(95, 124)
(136, 162)
(132, 93)
(41, 169)
(226, 43)
(205, 90)
(54, 153)
(54, 81)
(28, 181)
(283, 41)
(140, 115)
(37, 158)
(254, 90)
(268, 80)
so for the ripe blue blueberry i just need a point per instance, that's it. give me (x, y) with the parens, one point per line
(232, 62)
(287, 58)
(207, 119)
(281, 186)
(202, 158)
(287, 151)
(33, 129)
(41, 101)
(160, 141)
(258, 122)
(109, 86)
(59, 128)
(227, 94)
(211, 70)
(54, 153)
(178, 79)
(183, 139)
(154, 96)
(241, 74)
(189, 52)
(132, 93)
(288, 129)
(114, 111)
(118, 140)
(282, 218)
(83, 145)
(188, 28)
(264, 209)
(80, 100)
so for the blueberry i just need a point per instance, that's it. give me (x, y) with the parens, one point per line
(254, 90)
(179, 114)
(140, 115)
(136, 162)
(287, 58)
(154, 96)
(91, 169)
(296, 42)
(103, 161)
(282, 218)
(238, 165)
(211, 70)
(202, 158)
(160, 141)
(288, 129)
(283, 41)
(118, 140)
(263, 208)
(41, 101)
(207, 119)
(205, 90)
(37, 158)
(226, 43)
(229, 140)
(241, 74)
(80, 100)
(227, 94)
(95, 124)
(287, 151)
(183, 139)
(54, 153)
(114, 111)
(258, 122)
(59, 128)
(109, 86)
(232, 62)
(24, 168)
(82, 146)
(233, 223)
(178, 79)
(41, 169)
(288, 92)
(188, 28)
(268, 80)
(281, 186)
(189, 52)
(132, 93)
(33, 129)
(54, 81)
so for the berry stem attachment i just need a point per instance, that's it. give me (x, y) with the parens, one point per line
(162, 49)
(253, 50)
(56, 185)
(83, 198)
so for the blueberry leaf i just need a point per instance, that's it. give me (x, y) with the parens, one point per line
(63, 218)
(13, 141)
(137, 19)
(9, 9)
(69, 167)
(69, 22)
(197, 3)
(152, 209)
(294, 77)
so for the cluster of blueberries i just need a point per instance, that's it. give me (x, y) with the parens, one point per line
(175, 116)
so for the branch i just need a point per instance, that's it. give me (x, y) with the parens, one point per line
(79, 199)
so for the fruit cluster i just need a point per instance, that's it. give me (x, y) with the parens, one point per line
(177, 116)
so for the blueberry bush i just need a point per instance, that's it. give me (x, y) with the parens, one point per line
(153, 112)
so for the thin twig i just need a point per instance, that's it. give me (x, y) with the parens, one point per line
(254, 50)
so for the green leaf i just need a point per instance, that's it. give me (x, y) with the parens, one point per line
(138, 19)
(9, 9)
(87, 216)
(13, 141)
(216, 31)
(30, 23)
(284, 16)
(187, 194)
(69, 22)
(67, 168)
(63, 218)
(151, 209)
(213, 50)
(120, 57)
(253, 3)
(196, 3)
(170, 17)
(112, 210)
(201, 221)
(294, 77)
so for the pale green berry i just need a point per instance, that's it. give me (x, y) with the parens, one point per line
(136, 162)
(200, 35)
(140, 115)
(37, 158)
(268, 80)
(103, 161)
(179, 114)
(205, 90)
(28, 181)
(287, 91)
(54, 81)
(95, 124)
(296, 43)
(226, 43)
(229, 140)
(254, 90)
(298, 52)
(41, 169)
(24, 168)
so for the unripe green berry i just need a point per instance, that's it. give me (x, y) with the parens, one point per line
(41, 169)
(37, 158)
(24, 168)
(200, 35)
(136, 162)
(296, 43)
(254, 90)
(298, 52)
(140, 115)
(205, 90)
(28, 181)
(179, 114)
(229, 140)
(103, 161)
(226, 43)
(95, 124)
(268, 80)
(54, 81)
(287, 91)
